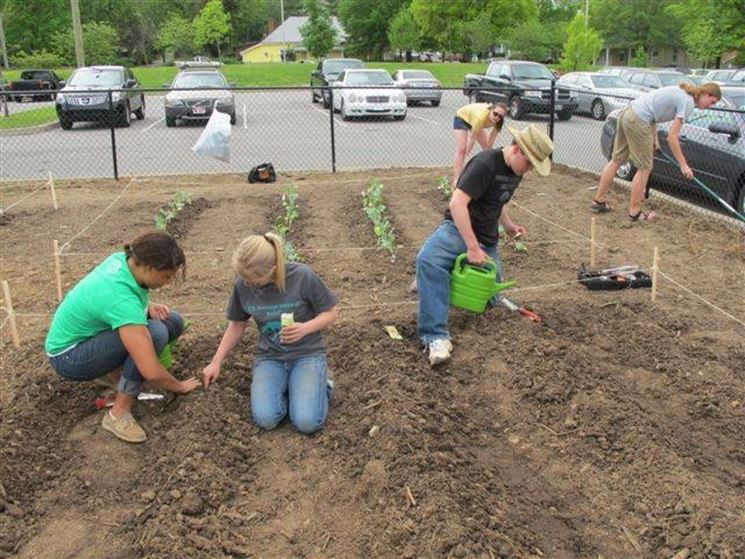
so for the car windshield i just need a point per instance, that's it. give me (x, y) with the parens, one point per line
(417, 75)
(336, 66)
(673, 79)
(739, 76)
(531, 72)
(199, 79)
(608, 81)
(369, 78)
(91, 76)
(34, 75)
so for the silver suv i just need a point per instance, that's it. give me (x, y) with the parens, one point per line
(85, 96)
(201, 89)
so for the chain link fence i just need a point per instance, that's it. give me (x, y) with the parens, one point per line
(113, 133)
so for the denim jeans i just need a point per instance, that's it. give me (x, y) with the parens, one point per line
(302, 382)
(104, 352)
(434, 263)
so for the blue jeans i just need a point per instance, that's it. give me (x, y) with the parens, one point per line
(302, 382)
(104, 352)
(434, 263)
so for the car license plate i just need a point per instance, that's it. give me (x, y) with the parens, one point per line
(558, 105)
(198, 110)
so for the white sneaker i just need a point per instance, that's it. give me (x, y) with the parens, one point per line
(439, 351)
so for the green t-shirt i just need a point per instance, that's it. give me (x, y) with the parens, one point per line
(105, 299)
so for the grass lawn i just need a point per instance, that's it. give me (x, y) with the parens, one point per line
(32, 117)
(278, 74)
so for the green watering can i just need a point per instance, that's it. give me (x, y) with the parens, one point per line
(471, 286)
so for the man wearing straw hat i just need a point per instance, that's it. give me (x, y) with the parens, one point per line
(471, 222)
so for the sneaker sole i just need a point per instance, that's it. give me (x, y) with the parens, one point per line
(122, 437)
(438, 361)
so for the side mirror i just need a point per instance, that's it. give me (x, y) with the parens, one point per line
(724, 128)
(505, 77)
(130, 83)
(62, 84)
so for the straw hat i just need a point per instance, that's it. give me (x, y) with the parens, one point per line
(536, 145)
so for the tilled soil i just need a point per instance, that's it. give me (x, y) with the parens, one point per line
(614, 430)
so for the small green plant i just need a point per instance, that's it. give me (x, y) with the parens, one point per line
(168, 213)
(372, 203)
(283, 224)
(517, 244)
(443, 185)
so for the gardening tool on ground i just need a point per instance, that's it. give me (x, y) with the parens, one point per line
(522, 310)
(621, 277)
(471, 286)
(697, 182)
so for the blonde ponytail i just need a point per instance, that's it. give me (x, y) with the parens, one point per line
(256, 255)
(696, 91)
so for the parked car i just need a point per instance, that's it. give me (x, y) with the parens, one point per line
(598, 94)
(737, 78)
(33, 85)
(419, 86)
(85, 96)
(720, 76)
(364, 92)
(647, 80)
(196, 91)
(524, 86)
(622, 72)
(714, 145)
(327, 72)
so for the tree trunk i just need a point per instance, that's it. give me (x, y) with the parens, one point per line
(219, 55)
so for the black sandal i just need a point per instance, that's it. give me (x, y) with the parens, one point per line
(600, 207)
(643, 216)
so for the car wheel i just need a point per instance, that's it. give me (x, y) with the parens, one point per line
(233, 119)
(626, 171)
(124, 117)
(516, 108)
(565, 114)
(65, 123)
(399, 117)
(313, 96)
(170, 121)
(343, 111)
(435, 103)
(140, 113)
(598, 109)
(326, 101)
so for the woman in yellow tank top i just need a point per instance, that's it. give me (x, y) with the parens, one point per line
(470, 124)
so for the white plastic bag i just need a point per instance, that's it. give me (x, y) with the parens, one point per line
(215, 138)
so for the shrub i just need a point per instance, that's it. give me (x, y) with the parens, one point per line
(36, 59)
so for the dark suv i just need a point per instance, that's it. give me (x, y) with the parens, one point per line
(524, 86)
(85, 96)
(326, 73)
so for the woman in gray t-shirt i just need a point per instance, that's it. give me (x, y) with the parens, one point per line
(291, 306)
(636, 138)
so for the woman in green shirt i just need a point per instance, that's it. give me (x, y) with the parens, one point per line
(107, 327)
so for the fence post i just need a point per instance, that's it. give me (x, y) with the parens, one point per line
(112, 122)
(331, 123)
(552, 113)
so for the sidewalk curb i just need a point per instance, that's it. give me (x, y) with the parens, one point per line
(28, 130)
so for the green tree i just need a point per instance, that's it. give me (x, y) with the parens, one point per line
(481, 33)
(176, 34)
(640, 58)
(319, 35)
(366, 24)
(100, 42)
(211, 25)
(582, 46)
(403, 33)
(530, 39)
(629, 23)
(29, 24)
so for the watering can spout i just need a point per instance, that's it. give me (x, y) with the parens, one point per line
(499, 287)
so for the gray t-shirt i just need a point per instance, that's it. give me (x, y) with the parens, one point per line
(663, 105)
(305, 296)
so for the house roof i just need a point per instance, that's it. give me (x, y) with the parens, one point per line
(289, 31)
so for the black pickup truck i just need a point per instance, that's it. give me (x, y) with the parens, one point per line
(326, 73)
(524, 86)
(34, 84)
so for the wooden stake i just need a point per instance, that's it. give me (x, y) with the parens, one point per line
(57, 270)
(655, 268)
(11, 315)
(54, 194)
(592, 243)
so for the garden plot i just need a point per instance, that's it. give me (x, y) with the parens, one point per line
(613, 431)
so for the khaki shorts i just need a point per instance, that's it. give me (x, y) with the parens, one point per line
(634, 140)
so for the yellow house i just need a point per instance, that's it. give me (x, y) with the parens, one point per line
(287, 38)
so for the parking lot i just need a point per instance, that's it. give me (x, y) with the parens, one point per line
(281, 126)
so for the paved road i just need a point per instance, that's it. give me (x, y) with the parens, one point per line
(278, 126)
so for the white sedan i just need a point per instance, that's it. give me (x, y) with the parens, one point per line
(361, 92)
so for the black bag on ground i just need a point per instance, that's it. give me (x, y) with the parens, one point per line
(613, 278)
(262, 173)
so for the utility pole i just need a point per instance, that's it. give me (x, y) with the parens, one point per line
(2, 44)
(77, 31)
(281, 23)
(587, 13)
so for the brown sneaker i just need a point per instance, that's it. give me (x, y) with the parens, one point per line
(124, 427)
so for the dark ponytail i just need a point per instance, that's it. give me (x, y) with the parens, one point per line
(157, 250)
